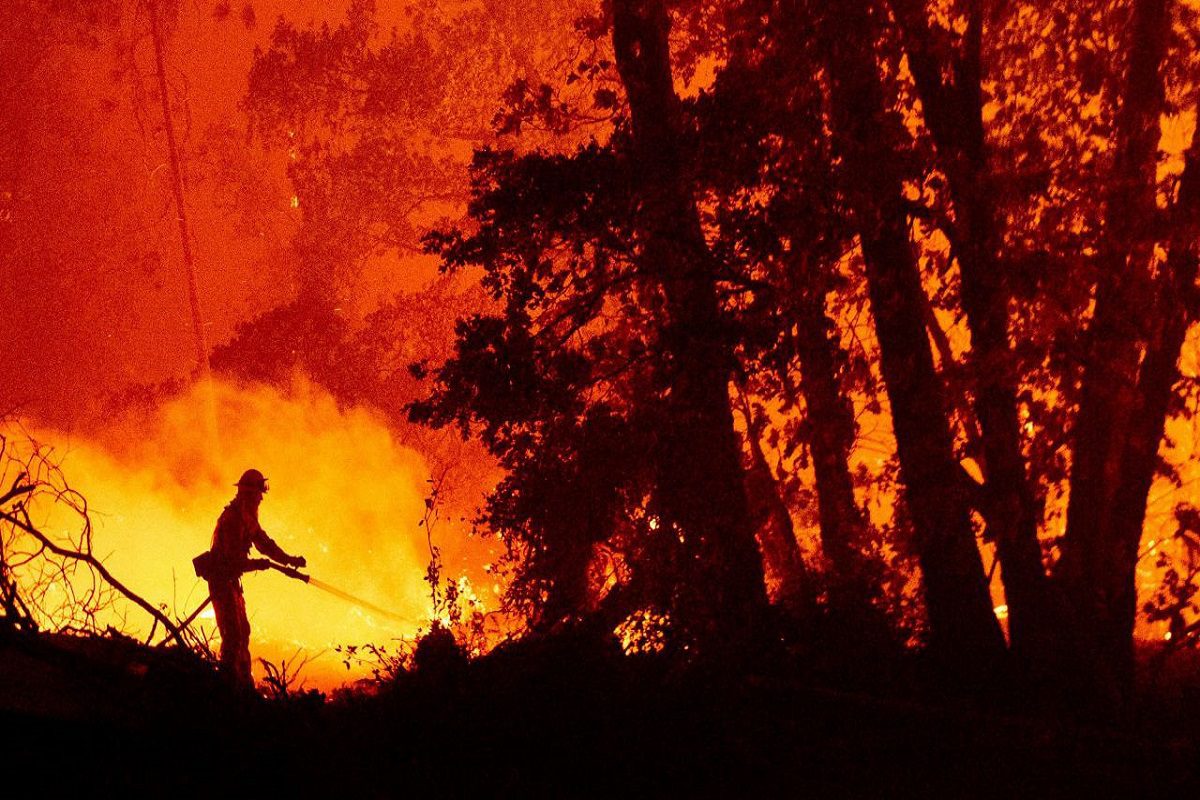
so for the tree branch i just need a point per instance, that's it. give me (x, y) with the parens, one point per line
(101, 570)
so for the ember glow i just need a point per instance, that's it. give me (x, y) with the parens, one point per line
(884, 440)
(343, 493)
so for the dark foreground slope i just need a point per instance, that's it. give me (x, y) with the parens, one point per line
(563, 717)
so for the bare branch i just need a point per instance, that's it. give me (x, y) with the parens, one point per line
(100, 569)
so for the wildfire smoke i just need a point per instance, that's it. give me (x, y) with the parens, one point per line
(343, 493)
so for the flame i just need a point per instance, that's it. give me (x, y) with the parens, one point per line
(644, 631)
(344, 494)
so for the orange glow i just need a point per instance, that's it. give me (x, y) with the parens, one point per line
(875, 443)
(643, 632)
(343, 493)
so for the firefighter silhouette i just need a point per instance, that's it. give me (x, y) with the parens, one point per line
(237, 529)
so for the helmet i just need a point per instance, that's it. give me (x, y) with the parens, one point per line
(252, 479)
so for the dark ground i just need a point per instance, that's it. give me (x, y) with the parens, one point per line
(565, 717)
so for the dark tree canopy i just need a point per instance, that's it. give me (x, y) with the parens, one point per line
(957, 167)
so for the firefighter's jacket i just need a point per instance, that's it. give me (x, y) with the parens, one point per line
(237, 529)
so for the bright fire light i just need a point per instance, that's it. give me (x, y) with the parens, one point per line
(343, 493)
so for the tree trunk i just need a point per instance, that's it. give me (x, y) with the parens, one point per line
(788, 580)
(1096, 569)
(954, 115)
(854, 581)
(1175, 310)
(963, 627)
(719, 590)
(185, 238)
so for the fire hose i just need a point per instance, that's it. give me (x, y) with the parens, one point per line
(257, 564)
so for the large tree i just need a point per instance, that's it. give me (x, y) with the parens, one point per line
(962, 625)
(701, 496)
(931, 156)
(1130, 360)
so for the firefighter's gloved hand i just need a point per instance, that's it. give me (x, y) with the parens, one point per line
(299, 562)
